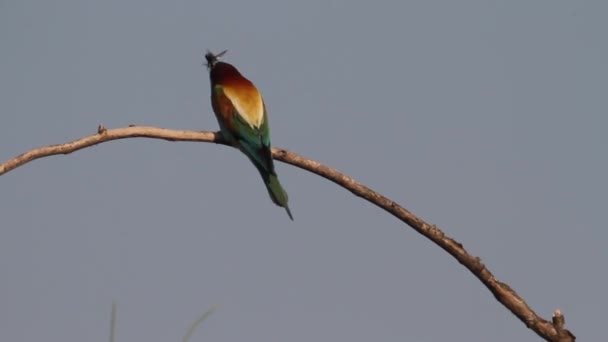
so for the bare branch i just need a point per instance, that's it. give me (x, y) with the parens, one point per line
(553, 331)
(104, 135)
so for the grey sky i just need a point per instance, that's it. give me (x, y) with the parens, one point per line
(487, 118)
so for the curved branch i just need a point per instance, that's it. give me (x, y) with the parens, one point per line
(551, 331)
(104, 135)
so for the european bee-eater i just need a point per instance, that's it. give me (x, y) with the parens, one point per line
(241, 114)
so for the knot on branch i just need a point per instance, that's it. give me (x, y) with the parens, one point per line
(559, 323)
(101, 129)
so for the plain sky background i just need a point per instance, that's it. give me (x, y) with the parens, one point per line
(487, 118)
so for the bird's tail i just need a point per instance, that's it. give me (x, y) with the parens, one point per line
(277, 194)
(262, 160)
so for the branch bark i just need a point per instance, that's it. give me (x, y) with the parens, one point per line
(553, 331)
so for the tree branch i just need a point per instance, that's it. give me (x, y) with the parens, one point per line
(553, 331)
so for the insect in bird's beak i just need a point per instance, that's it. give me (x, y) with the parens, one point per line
(212, 59)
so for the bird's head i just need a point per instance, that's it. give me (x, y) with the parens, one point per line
(213, 59)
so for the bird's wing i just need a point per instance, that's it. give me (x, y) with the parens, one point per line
(248, 102)
(254, 141)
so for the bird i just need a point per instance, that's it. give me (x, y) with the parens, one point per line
(241, 114)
